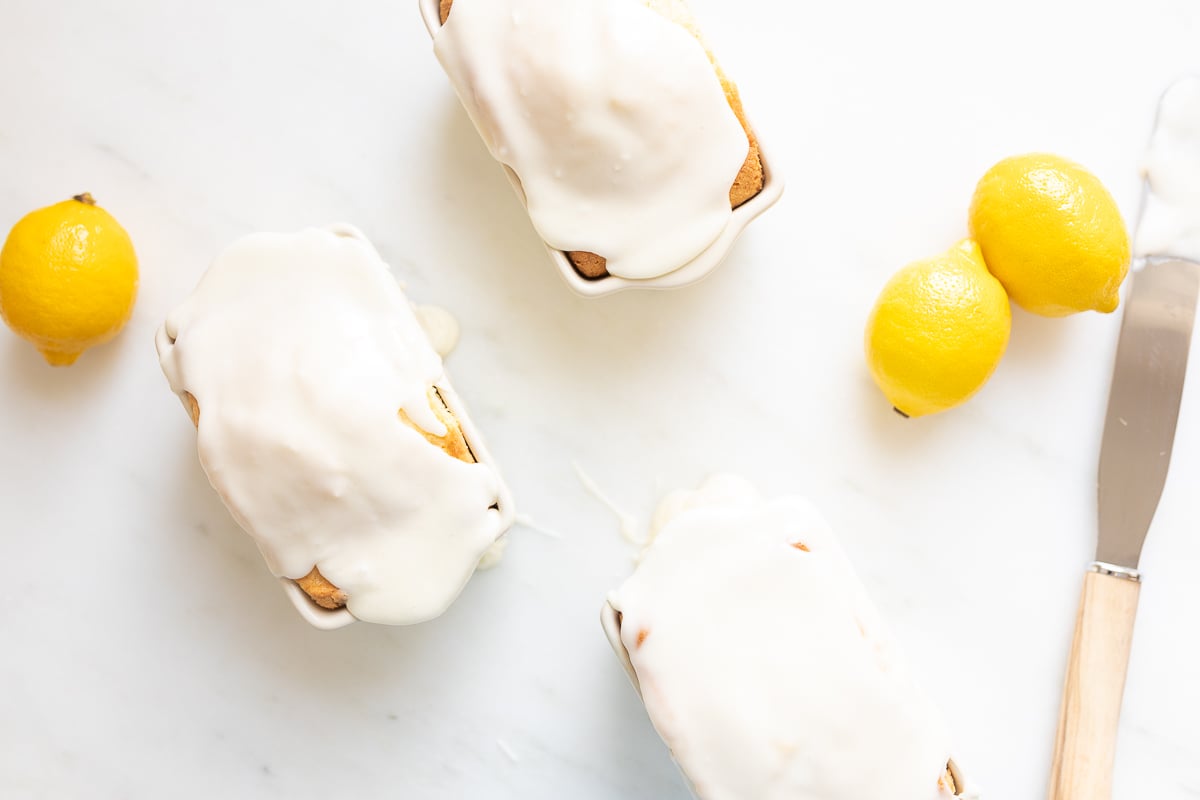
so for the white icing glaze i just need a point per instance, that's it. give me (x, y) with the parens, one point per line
(440, 326)
(300, 350)
(765, 667)
(722, 489)
(612, 117)
(494, 554)
(628, 524)
(529, 523)
(1170, 223)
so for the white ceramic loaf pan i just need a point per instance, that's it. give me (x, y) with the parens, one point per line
(691, 272)
(610, 620)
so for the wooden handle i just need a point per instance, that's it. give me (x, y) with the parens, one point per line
(1091, 703)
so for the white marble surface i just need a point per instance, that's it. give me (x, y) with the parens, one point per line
(144, 650)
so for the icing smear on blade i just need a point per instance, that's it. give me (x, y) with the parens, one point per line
(1170, 222)
(762, 662)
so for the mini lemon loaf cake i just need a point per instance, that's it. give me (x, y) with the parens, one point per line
(630, 142)
(763, 664)
(325, 422)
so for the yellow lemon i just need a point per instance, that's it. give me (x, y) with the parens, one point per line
(938, 331)
(68, 278)
(1052, 234)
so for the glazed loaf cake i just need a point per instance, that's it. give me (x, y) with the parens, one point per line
(750, 179)
(748, 636)
(328, 427)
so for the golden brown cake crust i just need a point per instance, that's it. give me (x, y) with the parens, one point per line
(321, 591)
(948, 781)
(453, 441)
(748, 183)
(314, 584)
(193, 408)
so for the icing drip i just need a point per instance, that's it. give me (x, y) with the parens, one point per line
(440, 326)
(628, 524)
(611, 115)
(301, 351)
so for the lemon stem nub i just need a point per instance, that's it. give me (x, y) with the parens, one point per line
(85, 198)
(901, 413)
(57, 358)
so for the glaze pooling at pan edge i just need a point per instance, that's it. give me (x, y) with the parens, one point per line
(750, 639)
(693, 270)
(301, 351)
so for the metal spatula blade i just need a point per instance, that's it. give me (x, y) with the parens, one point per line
(1143, 406)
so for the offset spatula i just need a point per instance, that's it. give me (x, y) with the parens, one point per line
(1139, 430)
(1143, 406)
